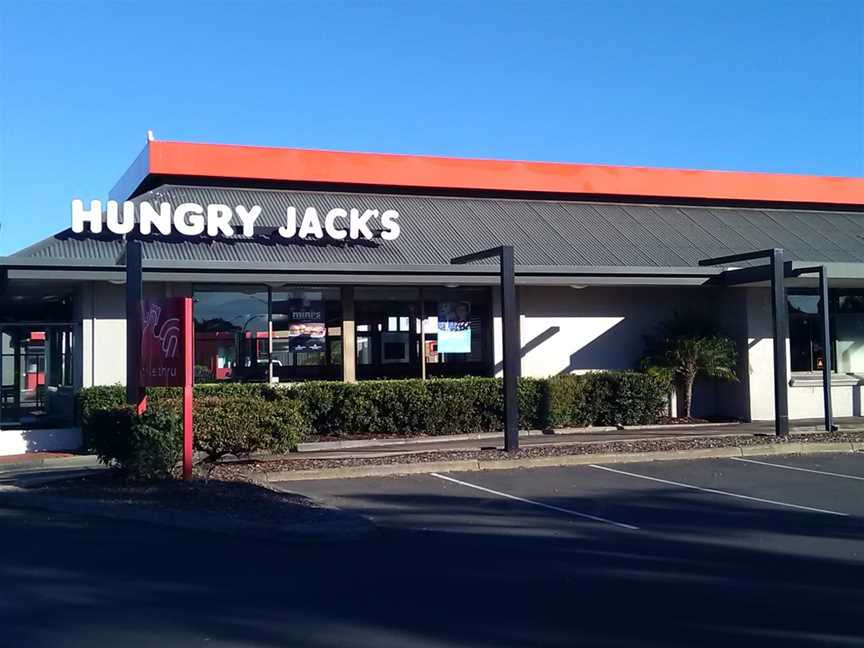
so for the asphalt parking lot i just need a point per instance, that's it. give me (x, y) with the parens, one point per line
(707, 553)
(724, 500)
(768, 550)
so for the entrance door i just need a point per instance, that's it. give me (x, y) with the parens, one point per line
(36, 369)
(10, 377)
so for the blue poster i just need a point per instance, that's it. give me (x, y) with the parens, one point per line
(454, 327)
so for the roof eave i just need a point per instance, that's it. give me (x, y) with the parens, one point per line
(195, 160)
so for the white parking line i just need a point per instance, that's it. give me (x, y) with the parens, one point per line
(535, 503)
(809, 470)
(718, 492)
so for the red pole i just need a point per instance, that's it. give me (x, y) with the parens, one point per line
(188, 377)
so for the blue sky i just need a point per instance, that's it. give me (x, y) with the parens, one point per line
(772, 86)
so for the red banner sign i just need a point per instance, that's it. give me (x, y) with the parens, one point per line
(162, 343)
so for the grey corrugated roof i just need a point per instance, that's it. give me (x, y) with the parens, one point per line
(544, 233)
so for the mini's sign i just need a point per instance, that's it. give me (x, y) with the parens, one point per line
(193, 219)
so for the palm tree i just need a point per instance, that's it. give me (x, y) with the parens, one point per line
(686, 347)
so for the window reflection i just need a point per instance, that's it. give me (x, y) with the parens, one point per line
(846, 322)
(294, 333)
(231, 334)
(307, 333)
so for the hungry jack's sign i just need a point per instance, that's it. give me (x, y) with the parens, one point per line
(193, 219)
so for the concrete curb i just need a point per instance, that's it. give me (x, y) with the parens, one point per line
(347, 444)
(81, 461)
(349, 527)
(379, 470)
(350, 472)
(317, 446)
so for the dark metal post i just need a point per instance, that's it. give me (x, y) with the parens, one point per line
(826, 347)
(134, 295)
(510, 330)
(779, 315)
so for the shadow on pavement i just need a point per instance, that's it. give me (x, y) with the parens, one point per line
(474, 575)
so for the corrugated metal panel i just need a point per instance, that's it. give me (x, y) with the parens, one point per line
(547, 233)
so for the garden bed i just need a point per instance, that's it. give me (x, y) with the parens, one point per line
(234, 499)
(251, 469)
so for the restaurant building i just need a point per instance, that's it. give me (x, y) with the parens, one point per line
(603, 255)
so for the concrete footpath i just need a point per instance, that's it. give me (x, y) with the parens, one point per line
(530, 438)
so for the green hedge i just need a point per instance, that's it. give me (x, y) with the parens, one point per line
(412, 407)
(146, 446)
(604, 398)
(240, 424)
(238, 418)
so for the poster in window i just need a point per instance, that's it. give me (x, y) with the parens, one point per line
(454, 327)
(307, 330)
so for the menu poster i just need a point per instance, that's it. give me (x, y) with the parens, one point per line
(307, 330)
(454, 327)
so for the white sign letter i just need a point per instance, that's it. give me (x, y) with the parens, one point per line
(248, 218)
(80, 216)
(389, 224)
(330, 223)
(290, 227)
(114, 223)
(310, 224)
(149, 217)
(219, 220)
(189, 219)
(359, 224)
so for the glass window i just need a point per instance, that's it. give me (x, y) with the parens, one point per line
(848, 335)
(846, 321)
(60, 355)
(307, 333)
(456, 323)
(295, 332)
(231, 333)
(805, 333)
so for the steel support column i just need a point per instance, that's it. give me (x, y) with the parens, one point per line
(510, 337)
(777, 271)
(826, 347)
(134, 295)
(779, 315)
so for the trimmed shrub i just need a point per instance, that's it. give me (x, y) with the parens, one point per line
(94, 399)
(603, 398)
(242, 425)
(565, 402)
(438, 406)
(239, 425)
(142, 447)
(531, 403)
(625, 398)
(90, 403)
(238, 419)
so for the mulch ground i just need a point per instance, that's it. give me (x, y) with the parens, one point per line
(248, 469)
(237, 499)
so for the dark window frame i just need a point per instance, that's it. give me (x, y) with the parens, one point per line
(834, 296)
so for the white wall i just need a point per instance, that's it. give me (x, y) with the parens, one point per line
(568, 330)
(15, 442)
(102, 308)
